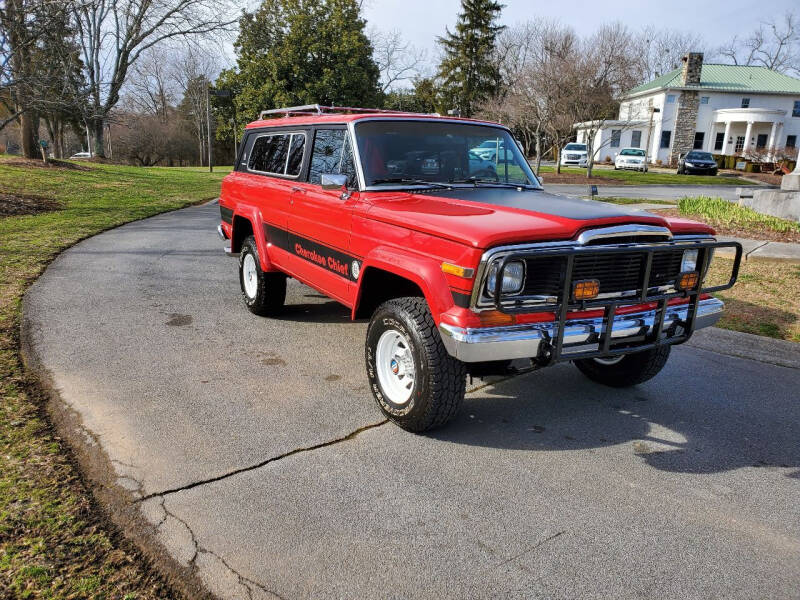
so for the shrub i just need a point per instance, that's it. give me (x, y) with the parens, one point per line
(722, 212)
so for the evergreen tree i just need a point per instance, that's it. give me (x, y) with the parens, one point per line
(293, 52)
(469, 72)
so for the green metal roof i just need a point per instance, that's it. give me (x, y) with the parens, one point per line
(728, 78)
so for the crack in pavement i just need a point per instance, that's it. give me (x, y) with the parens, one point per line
(195, 484)
(531, 549)
(198, 549)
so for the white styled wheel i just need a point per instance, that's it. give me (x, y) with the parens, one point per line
(395, 367)
(249, 276)
(611, 360)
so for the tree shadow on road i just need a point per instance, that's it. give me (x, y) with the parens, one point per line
(705, 413)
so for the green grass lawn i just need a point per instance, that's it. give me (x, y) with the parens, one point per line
(52, 542)
(652, 178)
(618, 200)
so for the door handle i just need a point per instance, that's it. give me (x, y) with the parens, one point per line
(295, 188)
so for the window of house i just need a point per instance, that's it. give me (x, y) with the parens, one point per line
(791, 141)
(278, 154)
(796, 109)
(761, 140)
(703, 99)
(699, 138)
(616, 136)
(670, 98)
(666, 136)
(719, 140)
(636, 139)
(745, 102)
(332, 154)
(739, 144)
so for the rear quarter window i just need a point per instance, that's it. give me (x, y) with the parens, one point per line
(277, 154)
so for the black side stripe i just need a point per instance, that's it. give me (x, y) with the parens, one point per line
(226, 214)
(328, 258)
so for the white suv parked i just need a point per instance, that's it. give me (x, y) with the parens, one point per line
(631, 158)
(574, 154)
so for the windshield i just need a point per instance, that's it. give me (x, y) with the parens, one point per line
(581, 147)
(418, 152)
(699, 156)
(632, 152)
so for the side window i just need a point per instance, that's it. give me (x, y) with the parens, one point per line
(269, 154)
(332, 154)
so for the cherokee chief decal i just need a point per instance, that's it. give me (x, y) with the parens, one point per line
(324, 256)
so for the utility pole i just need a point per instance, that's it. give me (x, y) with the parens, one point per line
(208, 127)
(653, 111)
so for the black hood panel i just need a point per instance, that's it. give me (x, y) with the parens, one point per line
(539, 201)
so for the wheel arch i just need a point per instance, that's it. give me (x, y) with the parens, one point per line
(248, 222)
(393, 273)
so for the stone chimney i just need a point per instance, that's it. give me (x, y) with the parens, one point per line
(692, 67)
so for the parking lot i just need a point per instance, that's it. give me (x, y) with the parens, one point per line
(255, 452)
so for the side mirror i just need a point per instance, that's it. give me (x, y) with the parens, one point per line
(333, 181)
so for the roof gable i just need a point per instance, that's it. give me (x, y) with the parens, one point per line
(728, 78)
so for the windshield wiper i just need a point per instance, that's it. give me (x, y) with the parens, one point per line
(475, 181)
(435, 184)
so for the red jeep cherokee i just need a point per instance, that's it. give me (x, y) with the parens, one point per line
(457, 256)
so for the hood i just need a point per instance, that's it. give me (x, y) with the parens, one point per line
(482, 217)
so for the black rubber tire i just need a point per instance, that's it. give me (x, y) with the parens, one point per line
(632, 369)
(440, 381)
(271, 292)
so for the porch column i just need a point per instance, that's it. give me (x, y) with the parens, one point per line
(773, 136)
(747, 135)
(711, 137)
(725, 144)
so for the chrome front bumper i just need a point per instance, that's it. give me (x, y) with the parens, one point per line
(525, 341)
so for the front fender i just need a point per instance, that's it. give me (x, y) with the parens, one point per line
(425, 272)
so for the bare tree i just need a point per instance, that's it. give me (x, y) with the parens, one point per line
(398, 60)
(153, 87)
(115, 33)
(660, 50)
(775, 44)
(192, 70)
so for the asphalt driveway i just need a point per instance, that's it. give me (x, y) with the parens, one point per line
(254, 449)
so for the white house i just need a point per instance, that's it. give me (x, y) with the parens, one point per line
(723, 109)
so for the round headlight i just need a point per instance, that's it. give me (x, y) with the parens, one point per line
(513, 277)
(689, 261)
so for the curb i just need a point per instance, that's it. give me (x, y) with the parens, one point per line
(748, 346)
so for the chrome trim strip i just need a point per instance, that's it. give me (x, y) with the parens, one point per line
(524, 341)
(622, 231)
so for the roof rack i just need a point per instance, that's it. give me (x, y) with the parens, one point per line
(316, 109)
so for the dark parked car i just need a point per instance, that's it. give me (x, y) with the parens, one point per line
(697, 163)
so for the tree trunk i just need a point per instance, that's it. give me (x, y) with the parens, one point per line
(99, 130)
(538, 152)
(558, 158)
(29, 125)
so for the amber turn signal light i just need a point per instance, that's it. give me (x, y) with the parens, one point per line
(457, 271)
(687, 281)
(586, 289)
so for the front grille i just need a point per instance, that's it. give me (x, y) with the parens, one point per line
(617, 272)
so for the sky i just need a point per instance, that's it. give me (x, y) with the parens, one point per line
(421, 21)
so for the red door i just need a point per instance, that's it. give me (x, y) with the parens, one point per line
(320, 220)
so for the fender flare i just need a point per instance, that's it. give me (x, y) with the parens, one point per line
(252, 214)
(425, 272)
